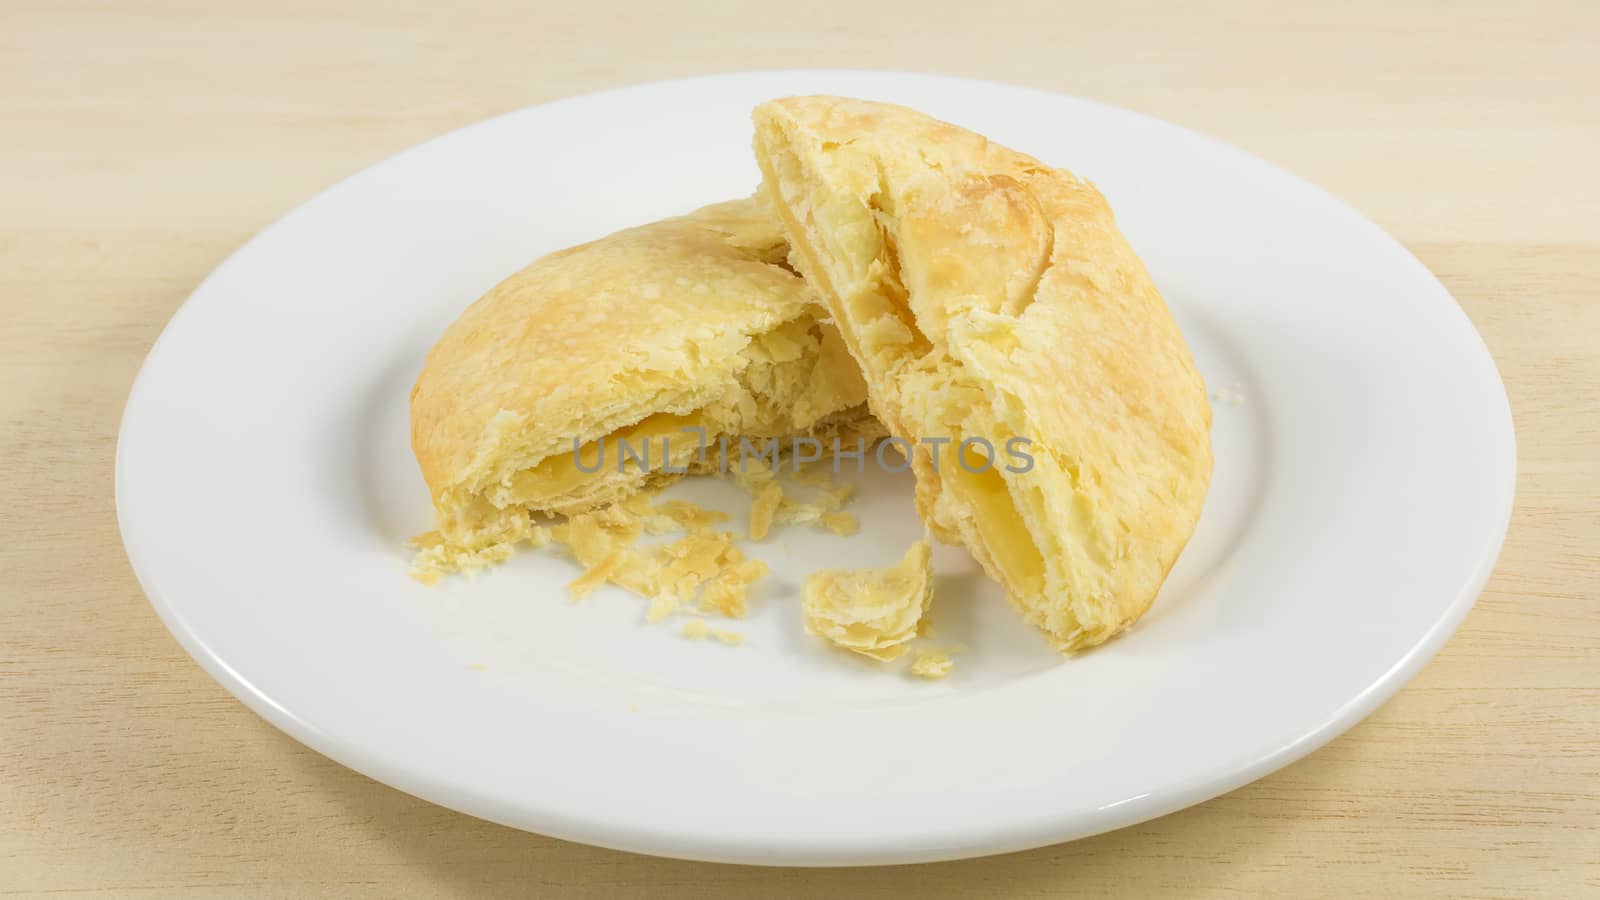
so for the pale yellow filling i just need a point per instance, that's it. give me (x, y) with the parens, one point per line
(559, 474)
(1004, 534)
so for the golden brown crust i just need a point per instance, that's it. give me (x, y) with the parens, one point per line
(986, 294)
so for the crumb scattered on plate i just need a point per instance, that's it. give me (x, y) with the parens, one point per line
(873, 612)
(699, 630)
(932, 664)
(1228, 396)
(763, 508)
(703, 566)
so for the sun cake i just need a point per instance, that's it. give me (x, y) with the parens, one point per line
(988, 295)
(655, 335)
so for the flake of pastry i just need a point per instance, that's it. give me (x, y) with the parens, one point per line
(595, 575)
(728, 593)
(841, 523)
(873, 612)
(681, 515)
(661, 606)
(932, 664)
(763, 508)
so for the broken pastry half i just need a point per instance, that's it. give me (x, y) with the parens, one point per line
(989, 296)
(666, 336)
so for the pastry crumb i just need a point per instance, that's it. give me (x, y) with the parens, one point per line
(437, 557)
(728, 594)
(703, 564)
(841, 523)
(698, 630)
(596, 575)
(695, 559)
(873, 612)
(932, 664)
(661, 607)
(763, 508)
(816, 512)
(753, 477)
(681, 515)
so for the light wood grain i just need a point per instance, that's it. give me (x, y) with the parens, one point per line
(141, 143)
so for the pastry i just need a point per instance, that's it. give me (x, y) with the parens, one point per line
(873, 612)
(667, 336)
(932, 664)
(993, 306)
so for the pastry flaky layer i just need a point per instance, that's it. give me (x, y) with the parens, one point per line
(689, 323)
(988, 295)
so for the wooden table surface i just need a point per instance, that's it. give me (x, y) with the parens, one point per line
(141, 143)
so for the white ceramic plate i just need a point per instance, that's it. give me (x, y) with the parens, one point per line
(265, 487)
